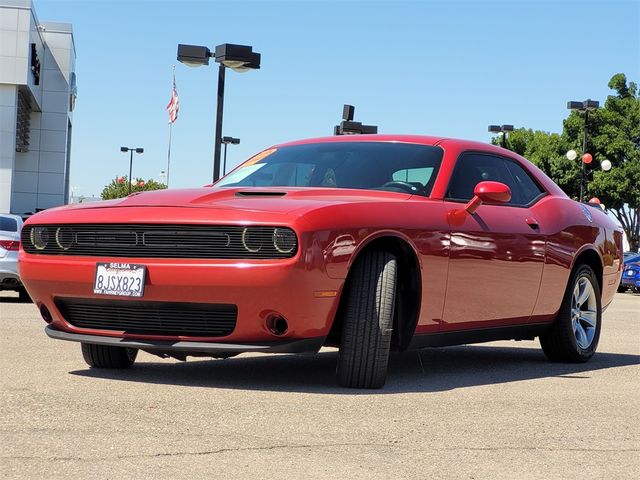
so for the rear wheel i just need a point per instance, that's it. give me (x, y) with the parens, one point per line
(574, 335)
(368, 321)
(103, 356)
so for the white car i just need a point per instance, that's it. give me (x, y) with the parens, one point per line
(10, 227)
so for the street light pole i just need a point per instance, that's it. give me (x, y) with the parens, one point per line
(131, 149)
(501, 130)
(226, 141)
(584, 150)
(216, 150)
(585, 106)
(240, 58)
(130, 168)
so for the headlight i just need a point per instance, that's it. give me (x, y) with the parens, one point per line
(39, 237)
(64, 238)
(284, 240)
(251, 239)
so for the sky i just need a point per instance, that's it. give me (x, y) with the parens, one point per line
(446, 68)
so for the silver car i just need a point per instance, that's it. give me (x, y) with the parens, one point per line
(10, 227)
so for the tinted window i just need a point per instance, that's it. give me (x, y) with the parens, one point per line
(389, 166)
(8, 224)
(524, 185)
(473, 168)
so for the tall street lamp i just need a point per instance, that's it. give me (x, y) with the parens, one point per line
(226, 141)
(131, 149)
(239, 58)
(583, 107)
(501, 130)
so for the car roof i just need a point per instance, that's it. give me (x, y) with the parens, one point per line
(420, 139)
(444, 142)
(415, 139)
(632, 258)
(383, 138)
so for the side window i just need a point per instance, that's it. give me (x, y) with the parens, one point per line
(473, 168)
(526, 188)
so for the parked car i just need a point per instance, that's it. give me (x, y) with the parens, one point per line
(10, 226)
(631, 273)
(369, 243)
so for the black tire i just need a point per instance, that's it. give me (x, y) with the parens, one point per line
(560, 343)
(103, 356)
(368, 321)
(622, 289)
(23, 296)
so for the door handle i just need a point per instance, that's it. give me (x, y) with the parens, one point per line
(533, 223)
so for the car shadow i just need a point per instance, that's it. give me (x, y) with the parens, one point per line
(430, 370)
(12, 299)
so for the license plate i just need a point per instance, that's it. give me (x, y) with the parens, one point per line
(120, 279)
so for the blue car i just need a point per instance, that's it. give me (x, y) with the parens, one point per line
(631, 273)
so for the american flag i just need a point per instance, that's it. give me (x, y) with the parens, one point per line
(172, 106)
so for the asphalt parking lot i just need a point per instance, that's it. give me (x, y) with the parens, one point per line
(496, 410)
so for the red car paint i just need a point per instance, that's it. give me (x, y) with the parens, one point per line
(501, 266)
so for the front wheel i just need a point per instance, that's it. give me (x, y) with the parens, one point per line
(23, 296)
(104, 356)
(368, 321)
(574, 335)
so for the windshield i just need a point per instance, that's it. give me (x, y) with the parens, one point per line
(398, 167)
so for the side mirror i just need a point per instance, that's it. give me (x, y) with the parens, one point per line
(488, 192)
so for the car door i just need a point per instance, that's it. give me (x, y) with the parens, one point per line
(497, 253)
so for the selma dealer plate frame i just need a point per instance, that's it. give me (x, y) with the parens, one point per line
(119, 279)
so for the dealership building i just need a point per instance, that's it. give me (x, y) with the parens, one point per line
(37, 96)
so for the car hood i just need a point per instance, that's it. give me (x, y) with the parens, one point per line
(272, 200)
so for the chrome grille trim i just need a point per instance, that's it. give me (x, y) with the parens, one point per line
(160, 241)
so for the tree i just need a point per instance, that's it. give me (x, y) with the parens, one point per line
(119, 187)
(548, 152)
(613, 134)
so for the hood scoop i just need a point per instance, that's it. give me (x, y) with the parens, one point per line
(258, 193)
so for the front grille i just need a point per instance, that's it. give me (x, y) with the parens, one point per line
(150, 318)
(160, 241)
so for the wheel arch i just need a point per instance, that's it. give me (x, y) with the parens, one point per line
(409, 293)
(590, 256)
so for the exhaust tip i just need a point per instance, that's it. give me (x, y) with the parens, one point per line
(277, 325)
(46, 314)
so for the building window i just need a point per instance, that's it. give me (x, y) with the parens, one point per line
(23, 122)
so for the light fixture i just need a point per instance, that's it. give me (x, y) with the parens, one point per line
(239, 58)
(501, 131)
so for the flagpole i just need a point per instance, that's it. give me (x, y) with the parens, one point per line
(170, 128)
(169, 154)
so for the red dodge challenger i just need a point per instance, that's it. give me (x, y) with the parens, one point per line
(370, 243)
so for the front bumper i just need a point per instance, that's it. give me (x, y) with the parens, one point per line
(307, 345)
(630, 280)
(290, 288)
